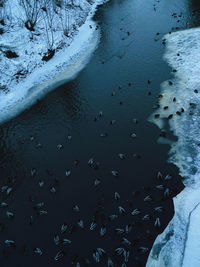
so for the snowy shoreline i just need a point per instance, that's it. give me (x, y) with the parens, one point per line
(179, 244)
(64, 66)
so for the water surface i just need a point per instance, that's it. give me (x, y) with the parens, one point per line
(114, 82)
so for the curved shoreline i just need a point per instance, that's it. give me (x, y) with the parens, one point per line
(64, 66)
(178, 245)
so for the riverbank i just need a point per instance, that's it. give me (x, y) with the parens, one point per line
(179, 244)
(86, 160)
(44, 76)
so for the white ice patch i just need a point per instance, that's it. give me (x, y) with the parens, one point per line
(64, 66)
(179, 244)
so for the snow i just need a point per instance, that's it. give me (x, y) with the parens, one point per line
(179, 244)
(71, 56)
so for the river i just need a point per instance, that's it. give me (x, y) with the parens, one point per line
(115, 81)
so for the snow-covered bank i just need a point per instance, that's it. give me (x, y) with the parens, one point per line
(45, 76)
(179, 244)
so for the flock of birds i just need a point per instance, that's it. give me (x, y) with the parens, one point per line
(134, 223)
(123, 223)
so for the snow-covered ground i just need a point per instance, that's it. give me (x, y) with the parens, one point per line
(179, 244)
(27, 78)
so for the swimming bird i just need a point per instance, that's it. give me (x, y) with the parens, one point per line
(93, 226)
(4, 205)
(43, 212)
(143, 249)
(135, 212)
(122, 156)
(63, 228)
(119, 231)
(128, 228)
(97, 182)
(53, 189)
(149, 82)
(56, 240)
(33, 172)
(126, 255)
(146, 217)
(68, 173)
(100, 113)
(121, 210)
(103, 230)
(133, 135)
(125, 241)
(10, 214)
(38, 251)
(80, 223)
(41, 183)
(112, 122)
(66, 241)
(10, 243)
(158, 209)
(135, 121)
(104, 134)
(91, 162)
(168, 177)
(148, 198)
(159, 175)
(76, 208)
(59, 255)
(160, 187)
(166, 193)
(115, 173)
(119, 251)
(59, 147)
(117, 196)
(157, 223)
(69, 137)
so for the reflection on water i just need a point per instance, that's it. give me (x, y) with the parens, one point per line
(114, 82)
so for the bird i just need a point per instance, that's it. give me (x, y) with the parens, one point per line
(157, 223)
(10, 243)
(122, 156)
(93, 225)
(103, 230)
(68, 173)
(135, 212)
(115, 173)
(56, 240)
(121, 210)
(117, 196)
(59, 255)
(63, 228)
(158, 209)
(38, 251)
(133, 135)
(80, 223)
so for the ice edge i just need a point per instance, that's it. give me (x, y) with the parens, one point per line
(64, 66)
(179, 244)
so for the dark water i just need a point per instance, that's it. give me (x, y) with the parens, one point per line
(130, 53)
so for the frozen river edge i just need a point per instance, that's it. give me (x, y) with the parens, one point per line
(179, 244)
(64, 66)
